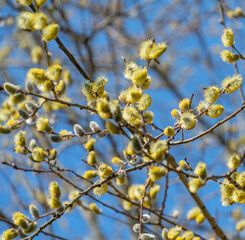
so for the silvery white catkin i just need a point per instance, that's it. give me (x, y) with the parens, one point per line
(31, 106)
(32, 144)
(102, 134)
(10, 88)
(23, 114)
(94, 126)
(78, 130)
(136, 227)
(146, 218)
(137, 144)
(29, 85)
(147, 236)
(55, 138)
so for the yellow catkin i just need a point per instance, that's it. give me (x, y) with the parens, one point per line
(227, 37)
(50, 32)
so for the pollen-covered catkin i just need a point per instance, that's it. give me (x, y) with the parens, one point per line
(229, 57)
(156, 173)
(169, 131)
(187, 121)
(233, 161)
(211, 94)
(50, 32)
(200, 170)
(194, 185)
(227, 37)
(231, 84)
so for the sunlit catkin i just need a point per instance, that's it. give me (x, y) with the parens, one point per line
(227, 37)
(50, 32)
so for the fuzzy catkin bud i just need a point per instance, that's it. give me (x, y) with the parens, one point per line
(139, 77)
(89, 145)
(78, 130)
(10, 88)
(24, 2)
(200, 170)
(100, 190)
(165, 234)
(39, 3)
(30, 106)
(215, 111)
(144, 102)
(21, 220)
(146, 218)
(194, 185)
(52, 155)
(176, 114)
(231, 84)
(121, 177)
(240, 225)
(40, 21)
(25, 21)
(147, 236)
(184, 165)
(158, 150)
(229, 57)
(174, 232)
(112, 127)
(102, 134)
(10, 234)
(137, 144)
(36, 75)
(233, 161)
(193, 213)
(169, 131)
(16, 98)
(156, 173)
(227, 37)
(94, 126)
(148, 117)
(90, 174)
(19, 139)
(98, 86)
(50, 32)
(29, 85)
(116, 112)
(54, 202)
(42, 124)
(4, 130)
(93, 207)
(23, 114)
(136, 227)
(158, 50)
(104, 171)
(38, 154)
(153, 191)
(54, 190)
(91, 158)
(34, 211)
(32, 144)
(211, 94)
(133, 94)
(187, 121)
(184, 104)
(55, 138)
(130, 114)
(54, 72)
(200, 218)
(117, 161)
